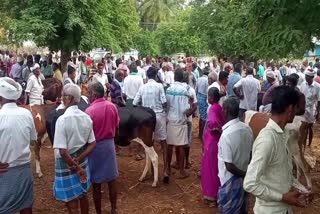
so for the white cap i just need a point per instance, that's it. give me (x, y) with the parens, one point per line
(271, 74)
(35, 67)
(310, 72)
(10, 89)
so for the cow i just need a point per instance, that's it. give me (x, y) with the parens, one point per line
(257, 121)
(137, 125)
(52, 89)
(51, 93)
(39, 114)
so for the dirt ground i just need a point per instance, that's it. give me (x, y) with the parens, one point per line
(180, 196)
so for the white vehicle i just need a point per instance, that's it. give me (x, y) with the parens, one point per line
(98, 54)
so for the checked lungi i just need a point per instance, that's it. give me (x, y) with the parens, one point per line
(67, 185)
(16, 189)
(232, 198)
(203, 106)
(103, 162)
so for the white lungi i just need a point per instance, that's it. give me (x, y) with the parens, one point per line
(177, 135)
(160, 132)
(35, 101)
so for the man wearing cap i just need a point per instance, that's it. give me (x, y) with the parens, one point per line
(34, 86)
(267, 97)
(16, 182)
(16, 69)
(311, 91)
(271, 66)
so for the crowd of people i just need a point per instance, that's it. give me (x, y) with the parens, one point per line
(178, 91)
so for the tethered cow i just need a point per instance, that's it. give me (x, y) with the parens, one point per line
(137, 124)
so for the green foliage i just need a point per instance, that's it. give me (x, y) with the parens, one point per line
(125, 23)
(73, 24)
(224, 24)
(261, 29)
(284, 27)
(146, 43)
(153, 12)
(175, 36)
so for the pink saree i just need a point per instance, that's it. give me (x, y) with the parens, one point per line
(210, 182)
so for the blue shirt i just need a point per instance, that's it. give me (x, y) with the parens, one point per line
(232, 80)
(202, 85)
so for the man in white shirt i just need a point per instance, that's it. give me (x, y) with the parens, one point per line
(152, 95)
(234, 150)
(269, 175)
(179, 110)
(141, 71)
(74, 140)
(148, 64)
(101, 77)
(168, 75)
(76, 65)
(273, 68)
(17, 130)
(302, 77)
(131, 84)
(34, 86)
(311, 90)
(247, 90)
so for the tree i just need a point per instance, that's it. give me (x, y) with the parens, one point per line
(225, 25)
(269, 29)
(284, 27)
(153, 12)
(146, 43)
(69, 25)
(175, 36)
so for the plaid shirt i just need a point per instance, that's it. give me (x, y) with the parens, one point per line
(151, 95)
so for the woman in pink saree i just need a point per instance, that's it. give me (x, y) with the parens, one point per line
(209, 166)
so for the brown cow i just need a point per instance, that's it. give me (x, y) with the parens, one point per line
(39, 114)
(258, 121)
(52, 89)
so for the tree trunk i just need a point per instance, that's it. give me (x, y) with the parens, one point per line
(65, 57)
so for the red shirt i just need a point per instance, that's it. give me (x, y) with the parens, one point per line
(317, 79)
(88, 61)
(105, 117)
